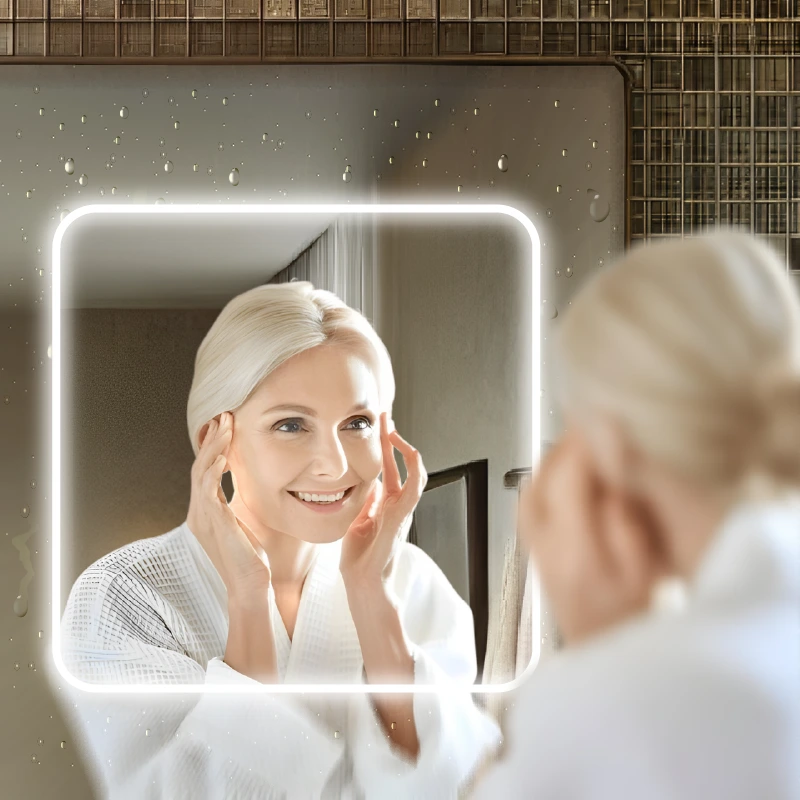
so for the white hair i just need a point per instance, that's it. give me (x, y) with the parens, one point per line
(259, 330)
(693, 347)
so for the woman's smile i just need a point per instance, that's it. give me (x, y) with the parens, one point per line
(325, 503)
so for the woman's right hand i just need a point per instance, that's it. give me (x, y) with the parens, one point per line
(235, 552)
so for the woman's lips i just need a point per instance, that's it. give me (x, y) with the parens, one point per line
(325, 508)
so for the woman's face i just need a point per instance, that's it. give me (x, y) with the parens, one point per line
(312, 426)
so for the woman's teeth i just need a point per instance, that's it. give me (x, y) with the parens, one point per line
(319, 498)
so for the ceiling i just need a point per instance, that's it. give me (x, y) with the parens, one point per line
(159, 260)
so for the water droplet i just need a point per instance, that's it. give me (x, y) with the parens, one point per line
(391, 159)
(336, 734)
(176, 125)
(281, 143)
(21, 606)
(102, 192)
(599, 209)
(594, 144)
(36, 90)
(161, 143)
(476, 111)
(83, 118)
(210, 171)
(61, 126)
(396, 123)
(588, 165)
(63, 745)
(33, 758)
(549, 212)
(172, 101)
(220, 146)
(194, 93)
(24, 237)
(600, 262)
(113, 190)
(460, 187)
(41, 112)
(502, 163)
(374, 112)
(308, 115)
(195, 167)
(33, 483)
(558, 188)
(108, 720)
(41, 742)
(29, 194)
(163, 154)
(123, 112)
(145, 92)
(61, 159)
(25, 511)
(6, 399)
(569, 272)
(556, 104)
(19, 134)
(16, 665)
(83, 180)
(424, 162)
(49, 351)
(233, 178)
(146, 731)
(160, 201)
(264, 137)
(430, 135)
(564, 153)
(117, 140)
(436, 103)
(168, 167)
(64, 213)
(347, 176)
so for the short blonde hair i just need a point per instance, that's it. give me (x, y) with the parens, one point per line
(259, 330)
(693, 347)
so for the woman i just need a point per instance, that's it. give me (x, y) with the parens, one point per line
(305, 577)
(680, 378)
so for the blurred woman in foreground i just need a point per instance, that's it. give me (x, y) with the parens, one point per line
(679, 372)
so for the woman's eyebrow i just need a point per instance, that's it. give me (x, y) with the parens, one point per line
(309, 411)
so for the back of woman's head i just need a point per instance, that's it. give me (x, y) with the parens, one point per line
(259, 330)
(693, 348)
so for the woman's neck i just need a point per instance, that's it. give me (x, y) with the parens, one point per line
(289, 558)
(689, 518)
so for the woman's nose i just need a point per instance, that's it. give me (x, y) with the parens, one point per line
(331, 458)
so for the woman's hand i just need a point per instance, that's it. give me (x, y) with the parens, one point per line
(229, 543)
(595, 548)
(369, 545)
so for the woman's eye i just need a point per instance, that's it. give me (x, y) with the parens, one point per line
(367, 424)
(294, 423)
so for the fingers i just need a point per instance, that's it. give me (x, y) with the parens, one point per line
(416, 477)
(217, 438)
(631, 546)
(391, 475)
(211, 480)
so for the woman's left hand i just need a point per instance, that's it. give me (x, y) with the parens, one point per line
(596, 549)
(369, 545)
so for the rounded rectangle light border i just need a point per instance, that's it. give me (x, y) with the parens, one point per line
(332, 208)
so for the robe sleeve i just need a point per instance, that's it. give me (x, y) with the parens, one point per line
(454, 735)
(179, 745)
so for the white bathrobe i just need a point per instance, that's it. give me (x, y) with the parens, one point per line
(155, 611)
(703, 704)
